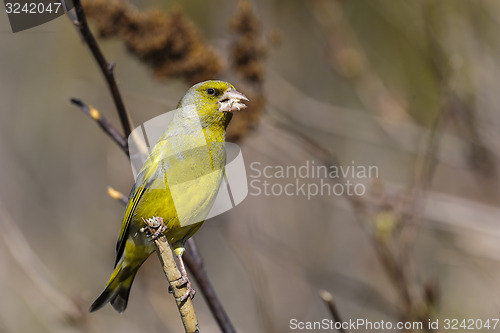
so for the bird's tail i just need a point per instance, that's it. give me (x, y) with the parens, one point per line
(117, 290)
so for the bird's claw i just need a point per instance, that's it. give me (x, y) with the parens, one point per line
(155, 227)
(190, 292)
(183, 281)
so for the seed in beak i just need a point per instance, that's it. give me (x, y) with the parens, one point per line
(231, 101)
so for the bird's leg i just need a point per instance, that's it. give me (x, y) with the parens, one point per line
(184, 279)
(155, 225)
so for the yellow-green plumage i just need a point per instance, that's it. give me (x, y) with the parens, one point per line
(178, 182)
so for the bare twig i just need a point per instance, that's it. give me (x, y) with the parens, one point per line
(117, 195)
(106, 68)
(172, 273)
(328, 299)
(105, 124)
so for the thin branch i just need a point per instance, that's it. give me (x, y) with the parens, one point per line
(107, 69)
(328, 299)
(117, 195)
(186, 309)
(104, 123)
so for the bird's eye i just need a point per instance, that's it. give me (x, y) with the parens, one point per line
(211, 91)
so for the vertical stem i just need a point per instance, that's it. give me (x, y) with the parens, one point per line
(106, 68)
(186, 309)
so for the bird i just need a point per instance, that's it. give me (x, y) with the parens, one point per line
(176, 186)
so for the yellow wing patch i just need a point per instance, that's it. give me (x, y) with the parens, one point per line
(129, 212)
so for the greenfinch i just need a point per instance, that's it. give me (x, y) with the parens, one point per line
(177, 185)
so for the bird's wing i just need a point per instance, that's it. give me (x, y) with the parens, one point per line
(143, 181)
(173, 158)
(129, 212)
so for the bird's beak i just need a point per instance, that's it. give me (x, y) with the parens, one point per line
(231, 101)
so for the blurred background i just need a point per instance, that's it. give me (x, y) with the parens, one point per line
(410, 87)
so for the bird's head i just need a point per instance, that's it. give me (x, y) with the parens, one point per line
(215, 102)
